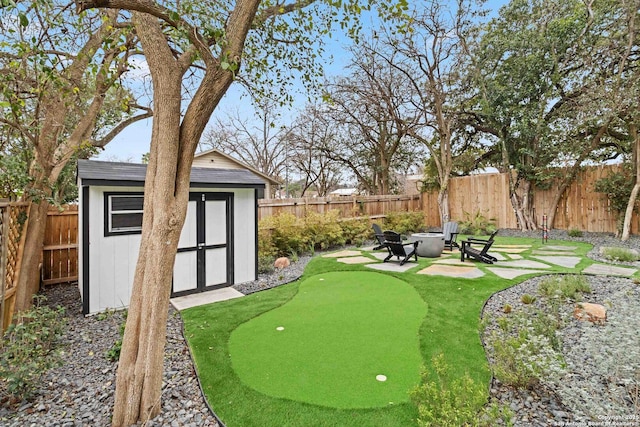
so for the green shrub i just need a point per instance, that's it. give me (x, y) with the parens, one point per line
(507, 308)
(574, 232)
(527, 299)
(357, 231)
(113, 354)
(266, 246)
(404, 222)
(620, 254)
(526, 349)
(265, 264)
(443, 402)
(477, 224)
(323, 231)
(29, 349)
(570, 286)
(286, 233)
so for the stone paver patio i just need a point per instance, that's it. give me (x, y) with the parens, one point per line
(510, 263)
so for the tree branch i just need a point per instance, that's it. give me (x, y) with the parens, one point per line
(123, 124)
(278, 10)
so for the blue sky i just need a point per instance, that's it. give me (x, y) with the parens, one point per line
(133, 142)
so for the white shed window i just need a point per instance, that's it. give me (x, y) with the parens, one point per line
(123, 213)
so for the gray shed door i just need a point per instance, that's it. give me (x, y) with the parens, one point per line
(204, 259)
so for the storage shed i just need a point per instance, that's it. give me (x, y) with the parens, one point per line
(218, 246)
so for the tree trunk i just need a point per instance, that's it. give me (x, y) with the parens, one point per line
(29, 281)
(628, 215)
(139, 376)
(521, 206)
(174, 140)
(443, 200)
(443, 205)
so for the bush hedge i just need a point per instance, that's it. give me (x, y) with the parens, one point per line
(287, 235)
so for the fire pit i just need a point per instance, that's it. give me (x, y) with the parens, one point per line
(430, 245)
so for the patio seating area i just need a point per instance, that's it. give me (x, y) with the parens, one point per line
(511, 261)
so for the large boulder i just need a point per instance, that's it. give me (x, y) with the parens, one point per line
(282, 262)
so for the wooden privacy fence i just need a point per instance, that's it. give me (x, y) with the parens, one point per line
(60, 250)
(581, 207)
(14, 218)
(349, 206)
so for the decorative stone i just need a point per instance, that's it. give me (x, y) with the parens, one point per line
(282, 262)
(594, 313)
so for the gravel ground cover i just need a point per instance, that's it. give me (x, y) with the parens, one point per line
(80, 392)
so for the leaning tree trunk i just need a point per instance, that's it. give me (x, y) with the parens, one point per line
(29, 281)
(626, 226)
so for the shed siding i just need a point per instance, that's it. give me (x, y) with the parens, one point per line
(245, 236)
(112, 259)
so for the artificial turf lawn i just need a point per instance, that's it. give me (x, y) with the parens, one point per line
(450, 326)
(339, 333)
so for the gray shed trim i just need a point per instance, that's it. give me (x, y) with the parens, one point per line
(94, 172)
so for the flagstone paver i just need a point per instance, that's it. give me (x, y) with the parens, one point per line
(558, 248)
(451, 261)
(342, 254)
(452, 271)
(562, 261)
(392, 266)
(498, 256)
(509, 250)
(524, 263)
(355, 260)
(604, 269)
(515, 256)
(562, 253)
(510, 273)
(379, 255)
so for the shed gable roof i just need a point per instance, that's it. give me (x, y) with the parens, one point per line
(95, 172)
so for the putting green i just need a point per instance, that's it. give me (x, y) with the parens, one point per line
(346, 340)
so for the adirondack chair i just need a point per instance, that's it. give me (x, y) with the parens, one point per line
(393, 242)
(479, 254)
(450, 231)
(377, 232)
